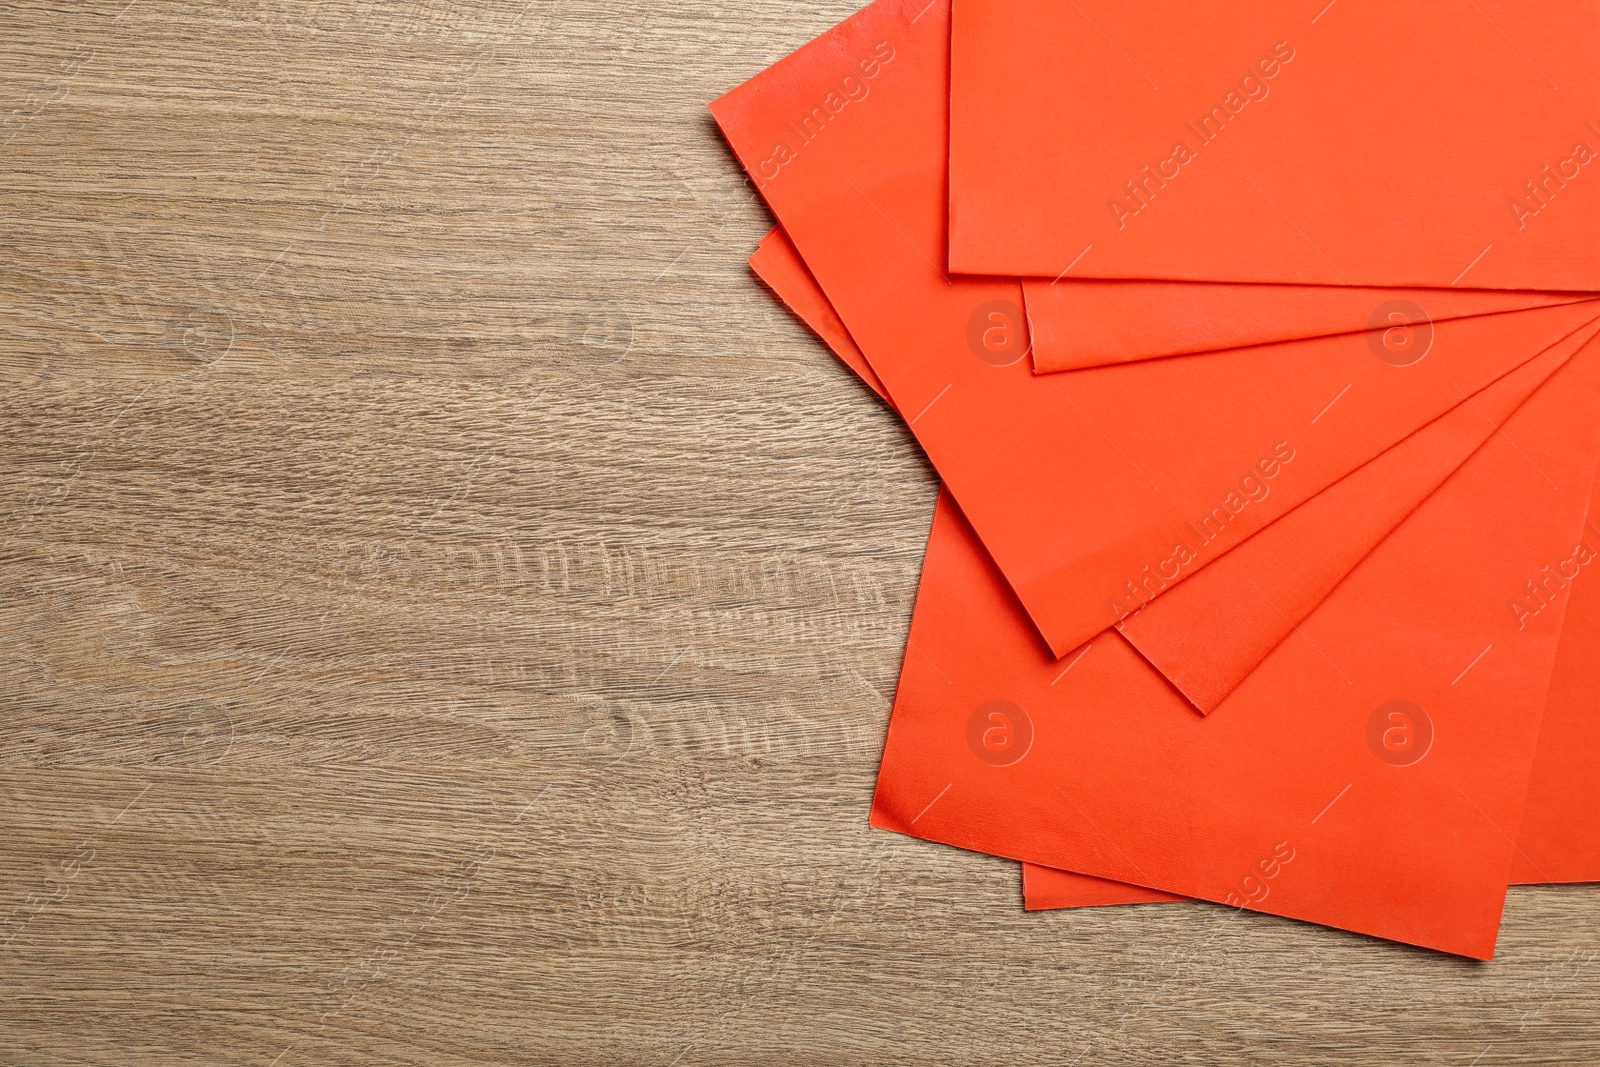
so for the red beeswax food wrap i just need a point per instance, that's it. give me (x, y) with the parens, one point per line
(1290, 788)
(1078, 482)
(1208, 633)
(1559, 839)
(1413, 143)
(1076, 324)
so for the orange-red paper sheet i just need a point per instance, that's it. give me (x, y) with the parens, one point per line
(1080, 484)
(1209, 633)
(1412, 143)
(777, 262)
(1560, 838)
(1371, 777)
(1075, 324)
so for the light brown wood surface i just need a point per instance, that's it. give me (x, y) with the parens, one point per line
(448, 610)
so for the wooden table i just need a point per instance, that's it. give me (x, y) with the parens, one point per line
(449, 610)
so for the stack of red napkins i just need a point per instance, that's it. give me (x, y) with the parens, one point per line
(1255, 344)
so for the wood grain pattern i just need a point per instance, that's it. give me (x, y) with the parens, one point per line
(448, 611)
